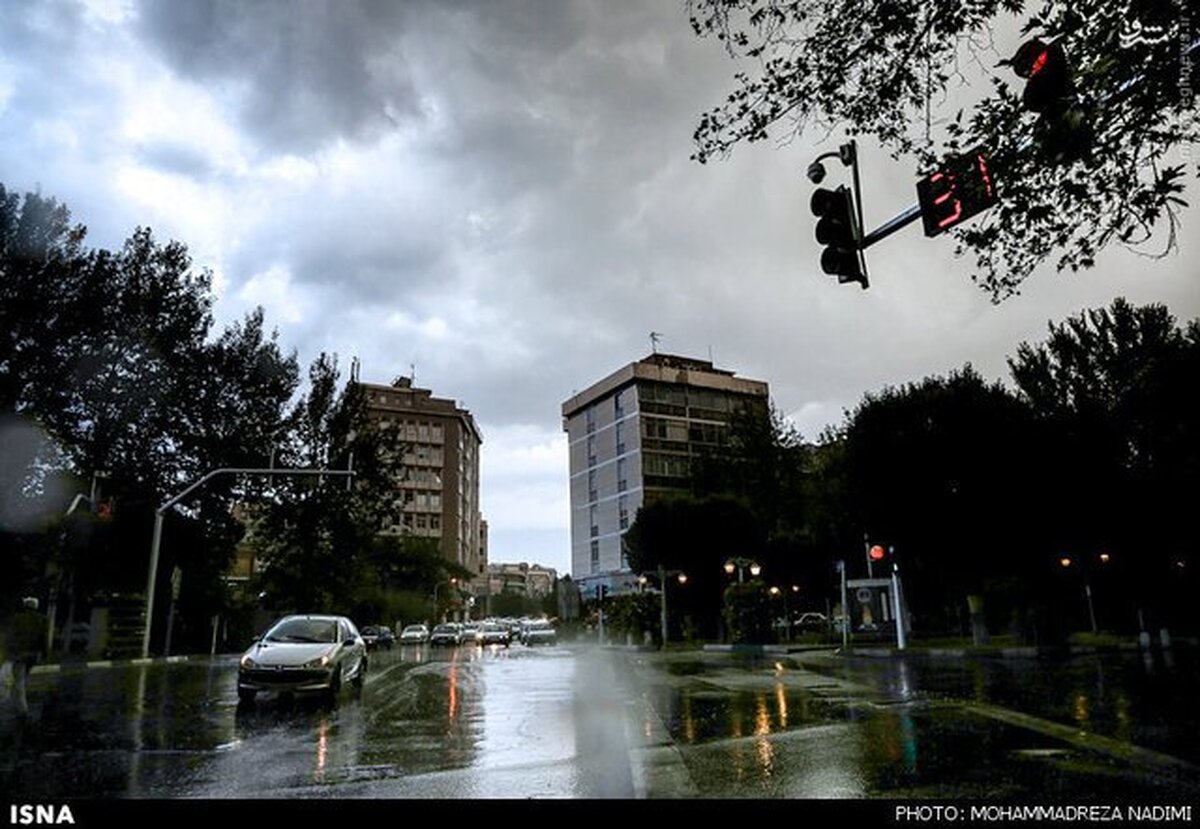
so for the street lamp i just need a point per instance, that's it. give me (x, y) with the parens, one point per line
(776, 592)
(741, 565)
(663, 575)
(1065, 562)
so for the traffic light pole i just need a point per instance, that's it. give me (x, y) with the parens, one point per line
(160, 513)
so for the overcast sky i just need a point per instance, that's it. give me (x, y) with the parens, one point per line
(499, 193)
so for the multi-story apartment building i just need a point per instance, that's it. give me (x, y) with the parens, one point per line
(438, 496)
(631, 437)
(531, 580)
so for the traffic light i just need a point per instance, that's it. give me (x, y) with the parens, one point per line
(956, 191)
(838, 231)
(1063, 130)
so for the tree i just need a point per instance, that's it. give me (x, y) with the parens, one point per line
(762, 461)
(108, 362)
(889, 68)
(697, 536)
(320, 539)
(942, 470)
(1114, 392)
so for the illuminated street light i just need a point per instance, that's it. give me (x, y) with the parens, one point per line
(663, 575)
(741, 565)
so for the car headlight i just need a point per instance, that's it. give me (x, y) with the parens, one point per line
(248, 663)
(321, 661)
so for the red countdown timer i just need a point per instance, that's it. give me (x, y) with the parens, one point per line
(956, 192)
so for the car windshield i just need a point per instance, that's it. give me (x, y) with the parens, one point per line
(304, 630)
(445, 629)
(415, 629)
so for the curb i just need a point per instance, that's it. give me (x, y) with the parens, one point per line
(1023, 652)
(67, 667)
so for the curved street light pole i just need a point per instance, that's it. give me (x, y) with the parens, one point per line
(160, 514)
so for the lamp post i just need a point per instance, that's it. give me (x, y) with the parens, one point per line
(777, 592)
(663, 575)
(1066, 563)
(742, 565)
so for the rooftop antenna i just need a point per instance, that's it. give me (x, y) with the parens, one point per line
(412, 374)
(354, 366)
(654, 338)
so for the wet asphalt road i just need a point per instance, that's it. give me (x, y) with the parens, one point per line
(440, 723)
(567, 722)
(1084, 730)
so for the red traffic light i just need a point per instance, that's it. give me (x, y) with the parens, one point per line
(876, 553)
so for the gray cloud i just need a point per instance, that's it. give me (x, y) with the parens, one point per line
(304, 73)
(500, 193)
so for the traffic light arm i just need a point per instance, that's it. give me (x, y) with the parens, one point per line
(907, 217)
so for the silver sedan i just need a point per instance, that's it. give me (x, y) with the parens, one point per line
(304, 653)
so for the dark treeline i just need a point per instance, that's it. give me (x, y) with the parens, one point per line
(115, 381)
(1092, 457)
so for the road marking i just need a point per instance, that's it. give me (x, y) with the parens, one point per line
(1083, 739)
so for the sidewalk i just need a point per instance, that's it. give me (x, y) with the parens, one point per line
(79, 664)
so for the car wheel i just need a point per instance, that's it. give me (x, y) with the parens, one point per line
(361, 676)
(335, 684)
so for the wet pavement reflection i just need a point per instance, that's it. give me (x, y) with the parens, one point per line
(920, 730)
(449, 718)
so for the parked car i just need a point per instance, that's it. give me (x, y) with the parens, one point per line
(378, 636)
(447, 633)
(812, 622)
(539, 632)
(304, 653)
(494, 633)
(414, 635)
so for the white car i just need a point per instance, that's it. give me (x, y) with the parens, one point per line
(304, 653)
(539, 632)
(414, 635)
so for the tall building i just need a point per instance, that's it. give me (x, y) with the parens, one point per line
(438, 496)
(631, 436)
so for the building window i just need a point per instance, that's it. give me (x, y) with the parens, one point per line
(618, 406)
(622, 484)
(595, 521)
(621, 438)
(592, 494)
(591, 449)
(435, 523)
(623, 510)
(595, 562)
(590, 416)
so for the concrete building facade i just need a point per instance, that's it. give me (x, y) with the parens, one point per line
(631, 436)
(531, 580)
(438, 496)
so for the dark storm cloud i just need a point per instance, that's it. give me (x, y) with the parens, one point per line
(307, 73)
